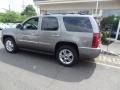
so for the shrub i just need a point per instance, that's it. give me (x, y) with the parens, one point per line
(104, 38)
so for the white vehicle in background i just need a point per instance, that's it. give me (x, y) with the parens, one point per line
(11, 25)
(1, 28)
(3, 25)
(7, 25)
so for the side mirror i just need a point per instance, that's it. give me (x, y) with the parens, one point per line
(19, 26)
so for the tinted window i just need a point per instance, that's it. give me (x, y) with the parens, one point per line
(31, 24)
(77, 24)
(49, 23)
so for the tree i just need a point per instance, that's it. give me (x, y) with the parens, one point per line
(11, 17)
(110, 22)
(108, 25)
(29, 11)
(1, 16)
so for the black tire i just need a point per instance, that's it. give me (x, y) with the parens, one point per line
(74, 52)
(14, 49)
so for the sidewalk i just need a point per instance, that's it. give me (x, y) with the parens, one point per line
(113, 48)
(108, 59)
(103, 59)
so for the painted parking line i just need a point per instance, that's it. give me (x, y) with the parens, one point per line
(112, 66)
(109, 61)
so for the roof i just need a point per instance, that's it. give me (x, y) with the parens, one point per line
(40, 2)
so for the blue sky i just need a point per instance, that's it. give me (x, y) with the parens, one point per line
(15, 5)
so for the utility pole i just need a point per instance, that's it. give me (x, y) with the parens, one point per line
(9, 5)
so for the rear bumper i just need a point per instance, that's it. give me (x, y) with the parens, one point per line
(86, 52)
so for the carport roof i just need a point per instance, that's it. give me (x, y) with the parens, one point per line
(41, 2)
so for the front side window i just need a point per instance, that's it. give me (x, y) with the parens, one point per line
(49, 24)
(31, 24)
(77, 24)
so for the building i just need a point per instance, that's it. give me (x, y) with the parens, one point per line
(94, 7)
(98, 8)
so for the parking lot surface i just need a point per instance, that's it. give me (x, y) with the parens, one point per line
(31, 71)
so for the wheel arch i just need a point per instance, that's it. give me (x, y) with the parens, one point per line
(7, 36)
(61, 43)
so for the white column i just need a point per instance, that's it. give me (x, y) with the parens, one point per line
(37, 10)
(40, 11)
(118, 30)
(97, 4)
(100, 12)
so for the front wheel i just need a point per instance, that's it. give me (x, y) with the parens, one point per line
(10, 45)
(67, 55)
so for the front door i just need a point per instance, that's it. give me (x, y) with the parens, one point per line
(27, 37)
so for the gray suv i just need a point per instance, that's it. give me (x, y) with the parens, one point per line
(68, 37)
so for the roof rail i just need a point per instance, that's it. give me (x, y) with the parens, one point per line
(47, 14)
(64, 13)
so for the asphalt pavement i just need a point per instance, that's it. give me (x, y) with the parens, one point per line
(32, 71)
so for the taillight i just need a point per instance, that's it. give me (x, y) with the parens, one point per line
(96, 40)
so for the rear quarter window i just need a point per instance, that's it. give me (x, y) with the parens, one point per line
(77, 24)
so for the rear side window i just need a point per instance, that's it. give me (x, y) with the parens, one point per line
(77, 24)
(49, 24)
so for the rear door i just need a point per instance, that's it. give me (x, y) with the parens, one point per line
(50, 33)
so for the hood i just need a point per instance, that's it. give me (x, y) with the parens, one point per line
(9, 29)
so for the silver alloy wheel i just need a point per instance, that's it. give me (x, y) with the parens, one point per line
(66, 56)
(9, 45)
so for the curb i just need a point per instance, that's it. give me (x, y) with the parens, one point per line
(108, 53)
(106, 60)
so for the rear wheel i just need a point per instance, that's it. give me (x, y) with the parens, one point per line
(67, 55)
(10, 45)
